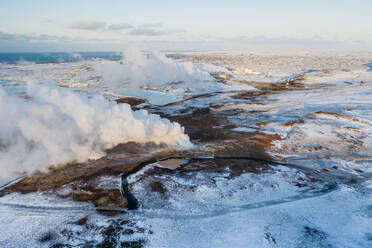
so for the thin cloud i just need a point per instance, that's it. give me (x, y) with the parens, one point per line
(315, 41)
(87, 25)
(48, 20)
(151, 25)
(32, 42)
(32, 38)
(7, 36)
(120, 26)
(176, 30)
(146, 32)
(29, 37)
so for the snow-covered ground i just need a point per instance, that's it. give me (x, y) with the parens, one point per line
(320, 104)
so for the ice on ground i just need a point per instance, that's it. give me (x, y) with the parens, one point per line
(263, 210)
(200, 209)
(339, 219)
(329, 121)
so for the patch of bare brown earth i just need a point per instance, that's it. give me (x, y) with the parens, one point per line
(80, 181)
(293, 123)
(132, 101)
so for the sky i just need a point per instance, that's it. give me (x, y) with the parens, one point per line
(113, 25)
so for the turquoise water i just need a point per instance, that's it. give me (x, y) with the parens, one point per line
(14, 89)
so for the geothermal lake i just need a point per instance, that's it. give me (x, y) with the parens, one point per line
(251, 149)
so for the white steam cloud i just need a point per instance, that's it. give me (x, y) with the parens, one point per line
(155, 69)
(57, 126)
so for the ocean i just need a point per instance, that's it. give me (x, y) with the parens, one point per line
(56, 57)
(62, 57)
